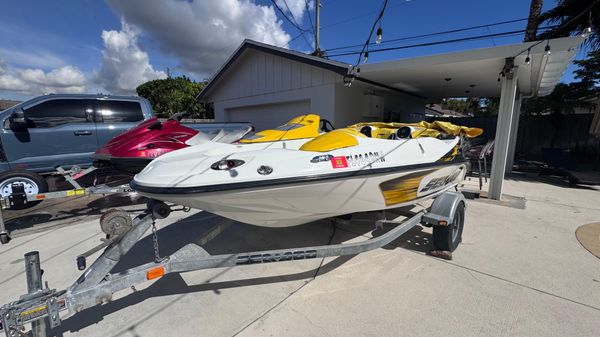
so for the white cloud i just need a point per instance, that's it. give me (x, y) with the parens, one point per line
(124, 64)
(296, 8)
(37, 59)
(67, 79)
(202, 34)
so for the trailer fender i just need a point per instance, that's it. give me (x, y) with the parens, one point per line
(443, 209)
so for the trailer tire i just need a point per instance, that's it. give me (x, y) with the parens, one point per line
(34, 183)
(447, 238)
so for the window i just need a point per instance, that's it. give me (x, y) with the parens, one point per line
(57, 112)
(120, 112)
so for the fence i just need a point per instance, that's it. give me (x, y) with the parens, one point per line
(569, 133)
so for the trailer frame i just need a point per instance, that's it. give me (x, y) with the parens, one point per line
(71, 176)
(97, 284)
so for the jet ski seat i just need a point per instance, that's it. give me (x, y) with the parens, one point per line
(333, 140)
(199, 138)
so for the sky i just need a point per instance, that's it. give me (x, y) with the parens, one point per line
(95, 46)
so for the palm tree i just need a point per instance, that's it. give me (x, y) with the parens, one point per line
(573, 17)
(533, 21)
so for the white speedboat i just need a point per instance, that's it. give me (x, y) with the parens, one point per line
(299, 181)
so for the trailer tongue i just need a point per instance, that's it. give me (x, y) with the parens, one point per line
(97, 284)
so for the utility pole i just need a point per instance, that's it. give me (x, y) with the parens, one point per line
(317, 51)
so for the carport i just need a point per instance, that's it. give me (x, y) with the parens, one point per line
(511, 72)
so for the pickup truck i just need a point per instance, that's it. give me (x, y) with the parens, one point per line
(63, 130)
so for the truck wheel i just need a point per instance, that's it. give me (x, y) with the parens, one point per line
(448, 237)
(33, 183)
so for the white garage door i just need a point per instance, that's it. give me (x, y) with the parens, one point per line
(268, 115)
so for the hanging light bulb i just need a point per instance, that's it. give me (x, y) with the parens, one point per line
(547, 48)
(366, 57)
(527, 59)
(379, 35)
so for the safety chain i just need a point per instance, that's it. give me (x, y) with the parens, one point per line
(157, 257)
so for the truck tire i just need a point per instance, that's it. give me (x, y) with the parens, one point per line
(34, 184)
(447, 238)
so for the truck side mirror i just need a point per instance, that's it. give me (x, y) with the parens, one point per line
(18, 120)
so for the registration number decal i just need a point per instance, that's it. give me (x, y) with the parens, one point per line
(339, 162)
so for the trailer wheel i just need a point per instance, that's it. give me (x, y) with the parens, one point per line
(33, 183)
(448, 237)
(115, 223)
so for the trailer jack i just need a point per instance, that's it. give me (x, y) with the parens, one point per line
(97, 284)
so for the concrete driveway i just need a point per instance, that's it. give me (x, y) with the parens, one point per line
(518, 272)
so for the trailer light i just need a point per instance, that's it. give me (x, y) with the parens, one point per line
(40, 197)
(442, 223)
(155, 273)
(226, 164)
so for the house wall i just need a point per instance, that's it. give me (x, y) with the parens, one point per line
(263, 81)
(352, 105)
(280, 89)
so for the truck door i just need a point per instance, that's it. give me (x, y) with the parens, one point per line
(60, 132)
(115, 117)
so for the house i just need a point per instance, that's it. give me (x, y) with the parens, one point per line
(267, 86)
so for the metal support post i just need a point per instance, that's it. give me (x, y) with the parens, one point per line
(33, 273)
(508, 98)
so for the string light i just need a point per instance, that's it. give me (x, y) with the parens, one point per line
(379, 35)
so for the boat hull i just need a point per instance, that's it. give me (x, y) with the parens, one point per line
(290, 203)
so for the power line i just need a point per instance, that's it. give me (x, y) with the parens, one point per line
(291, 21)
(362, 15)
(297, 25)
(433, 34)
(290, 41)
(347, 20)
(471, 38)
(312, 27)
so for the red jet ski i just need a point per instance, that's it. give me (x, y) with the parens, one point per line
(132, 150)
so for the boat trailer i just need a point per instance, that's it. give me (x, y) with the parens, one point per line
(42, 306)
(18, 197)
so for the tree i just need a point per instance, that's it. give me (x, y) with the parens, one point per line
(172, 95)
(573, 17)
(588, 70)
(533, 21)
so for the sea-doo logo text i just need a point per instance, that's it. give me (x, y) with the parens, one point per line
(276, 257)
(358, 160)
(436, 183)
